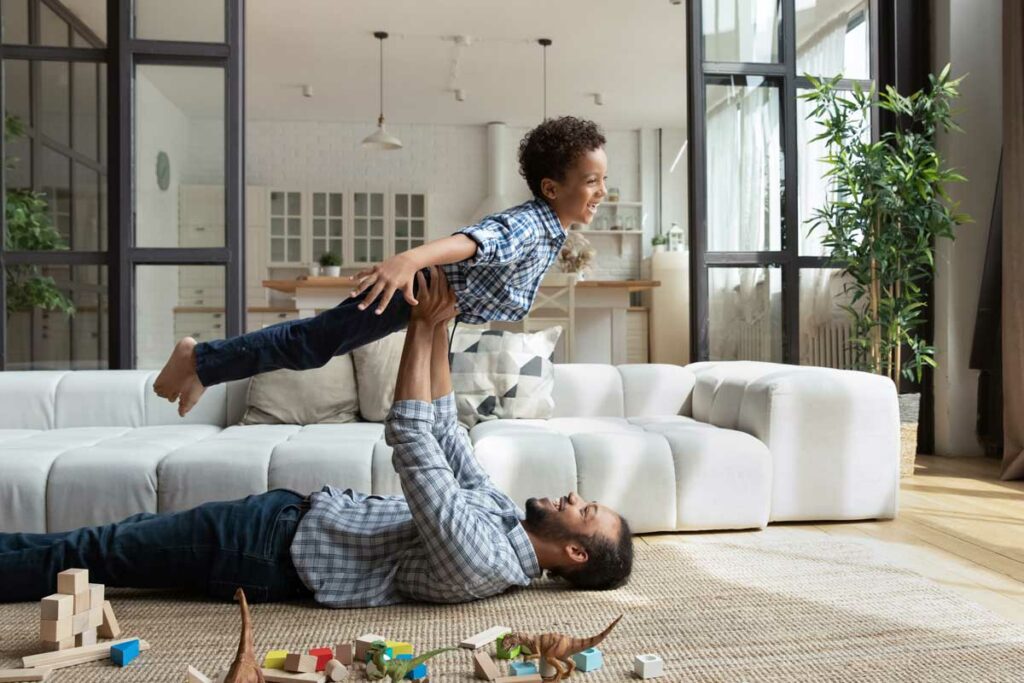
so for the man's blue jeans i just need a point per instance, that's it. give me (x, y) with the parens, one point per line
(214, 548)
(300, 344)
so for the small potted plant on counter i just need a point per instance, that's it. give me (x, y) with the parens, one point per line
(331, 264)
(659, 242)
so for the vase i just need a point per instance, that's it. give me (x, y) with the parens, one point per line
(314, 271)
(332, 271)
(659, 248)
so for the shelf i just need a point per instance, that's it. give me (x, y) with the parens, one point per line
(607, 202)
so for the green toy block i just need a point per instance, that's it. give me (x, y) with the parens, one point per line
(504, 652)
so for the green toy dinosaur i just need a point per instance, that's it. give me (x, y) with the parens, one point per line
(396, 669)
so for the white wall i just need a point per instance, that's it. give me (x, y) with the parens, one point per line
(162, 127)
(965, 33)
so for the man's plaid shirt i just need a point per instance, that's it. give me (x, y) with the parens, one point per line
(515, 248)
(454, 537)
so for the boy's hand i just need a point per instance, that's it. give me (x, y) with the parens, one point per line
(395, 273)
(437, 301)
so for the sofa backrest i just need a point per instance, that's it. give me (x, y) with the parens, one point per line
(42, 399)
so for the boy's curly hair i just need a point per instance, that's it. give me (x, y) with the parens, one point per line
(550, 149)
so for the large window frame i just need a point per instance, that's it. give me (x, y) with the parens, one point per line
(122, 54)
(700, 74)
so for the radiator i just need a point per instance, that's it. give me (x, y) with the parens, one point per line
(828, 346)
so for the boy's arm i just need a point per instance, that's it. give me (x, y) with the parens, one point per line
(458, 542)
(446, 419)
(500, 241)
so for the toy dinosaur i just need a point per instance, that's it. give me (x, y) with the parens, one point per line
(245, 669)
(396, 669)
(555, 648)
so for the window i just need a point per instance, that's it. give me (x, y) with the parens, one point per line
(285, 227)
(410, 221)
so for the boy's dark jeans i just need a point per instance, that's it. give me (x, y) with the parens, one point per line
(214, 548)
(300, 344)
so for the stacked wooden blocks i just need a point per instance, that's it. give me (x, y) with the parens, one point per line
(72, 616)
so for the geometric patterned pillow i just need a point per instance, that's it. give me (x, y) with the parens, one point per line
(499, 374)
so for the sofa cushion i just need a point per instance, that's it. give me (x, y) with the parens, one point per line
(376, 366)
(655, 389)
(304, 397)
(498, 374)
(340, 455)
(528, 464)
(587, 390)
(27, 399)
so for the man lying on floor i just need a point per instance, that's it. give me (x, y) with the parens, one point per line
(453, 537)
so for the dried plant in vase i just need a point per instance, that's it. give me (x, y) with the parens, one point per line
(576, 255)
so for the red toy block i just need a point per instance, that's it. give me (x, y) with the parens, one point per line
(323, 655)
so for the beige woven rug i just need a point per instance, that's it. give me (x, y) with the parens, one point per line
(759, 610)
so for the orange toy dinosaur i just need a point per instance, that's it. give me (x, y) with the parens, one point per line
(555, 648)
(245, 669)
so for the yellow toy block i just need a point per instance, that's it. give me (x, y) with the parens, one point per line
(399, 647)
(275, 659)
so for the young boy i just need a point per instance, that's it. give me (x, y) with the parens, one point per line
(494, 267)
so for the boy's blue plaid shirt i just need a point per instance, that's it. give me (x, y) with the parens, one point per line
(515, 248)
(454, 537)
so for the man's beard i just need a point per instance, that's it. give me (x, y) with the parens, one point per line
(541, 522)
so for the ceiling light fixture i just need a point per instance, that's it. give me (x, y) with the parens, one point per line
(380, 138)
(544, 43)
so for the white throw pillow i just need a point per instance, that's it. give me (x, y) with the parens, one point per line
(498, 374)
(376, 374)
(322, 395)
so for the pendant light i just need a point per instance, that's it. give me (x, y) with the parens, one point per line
(380, 138)
(544, 43)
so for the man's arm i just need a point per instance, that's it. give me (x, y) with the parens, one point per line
(446, 430)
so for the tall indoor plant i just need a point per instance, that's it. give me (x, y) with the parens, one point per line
(888, 206)
(29, 228)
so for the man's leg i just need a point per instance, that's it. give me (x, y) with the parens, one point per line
(238, 543)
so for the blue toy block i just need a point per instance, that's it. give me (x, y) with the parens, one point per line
(522, 668)
(588, 660)
(388, 654)
(124, 653)
(416, 674)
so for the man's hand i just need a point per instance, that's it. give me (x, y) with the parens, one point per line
(437, 301)
(395, 273)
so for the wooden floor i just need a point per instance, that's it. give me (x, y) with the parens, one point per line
(958, 525)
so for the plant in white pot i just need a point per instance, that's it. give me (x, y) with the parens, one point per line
(659, 242)
(887, 207)
(331, 264)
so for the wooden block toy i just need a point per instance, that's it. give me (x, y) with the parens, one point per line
(54, 630)
(323, 655)
(109, 628)
(343, 653)
(80, 622)
(399, 648)
(588, 660)
(336, 671)
(528, 678)
(13, 675)
(72, 581)
(86, 638)
(275, 676)
(480, 639)
(97, 592)
(483, 666)
(275, 659)
(56, 606)
(363, 642)
(83, 601)
(122, 654)
(58, 645)
(506, 652)
(194, 675)
(296, 662)
(76, 655)
(648, 666)
(522, 668)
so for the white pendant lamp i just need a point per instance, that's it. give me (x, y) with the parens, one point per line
(380, 138)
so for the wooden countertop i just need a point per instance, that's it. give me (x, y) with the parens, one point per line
(220, 309)
(289, 286)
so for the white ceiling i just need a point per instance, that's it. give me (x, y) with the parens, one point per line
(631, 51)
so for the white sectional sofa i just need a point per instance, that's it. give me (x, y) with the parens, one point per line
(720, 445)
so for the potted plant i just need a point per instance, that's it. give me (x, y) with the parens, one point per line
(29, 228)
(659, 242)
(331, 264)
(888, 206)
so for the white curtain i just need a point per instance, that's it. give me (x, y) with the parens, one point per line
(744, 214)
(819, 314)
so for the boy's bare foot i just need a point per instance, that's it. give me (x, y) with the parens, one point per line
(178, 380)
